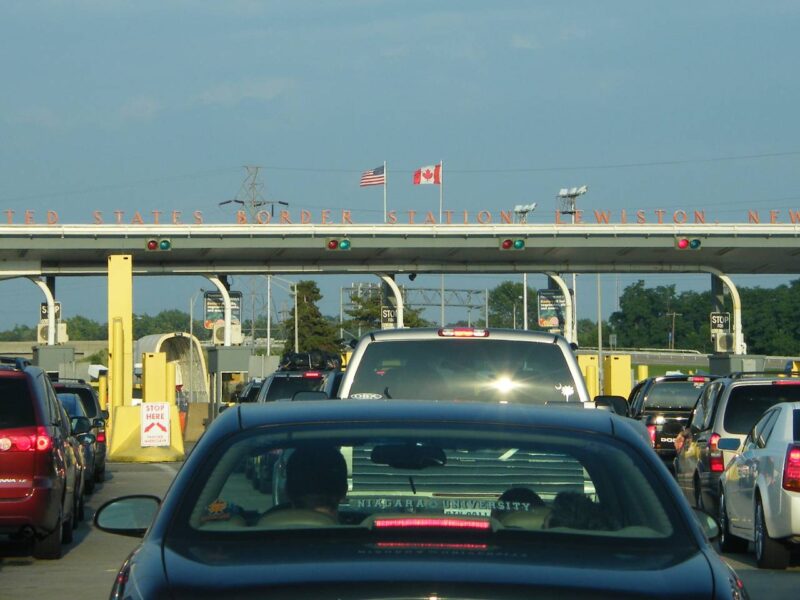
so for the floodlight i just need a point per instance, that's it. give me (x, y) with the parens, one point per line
(583, 189)
(563, 192)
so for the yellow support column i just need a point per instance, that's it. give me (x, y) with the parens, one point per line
(120, 309)
(169, 380)
(642, 372)
(617, 380)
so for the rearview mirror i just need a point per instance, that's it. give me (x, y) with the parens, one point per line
(80, 425)
(409, 456)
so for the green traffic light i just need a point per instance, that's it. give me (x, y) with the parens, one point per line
(694, 244)
(344, 245)
(519, 244)
(164, 245)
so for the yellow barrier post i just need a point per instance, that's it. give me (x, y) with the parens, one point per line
(588, 365)
(154, 370)
(642, 372)
(617, 381)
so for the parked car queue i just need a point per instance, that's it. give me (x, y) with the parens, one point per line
(48, 459)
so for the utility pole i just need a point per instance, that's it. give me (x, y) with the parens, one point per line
(672, 335)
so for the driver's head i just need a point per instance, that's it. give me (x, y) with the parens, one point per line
(316, 477)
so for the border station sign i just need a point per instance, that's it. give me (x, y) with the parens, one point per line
(388, 317)
(155, 429)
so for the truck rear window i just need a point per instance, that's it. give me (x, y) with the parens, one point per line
(465, 369)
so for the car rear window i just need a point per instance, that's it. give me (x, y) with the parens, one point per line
(457, 369)
(72, 404)
(674, 394)
(16, 405)
(283, 388)
(747, 403)
(533, 483)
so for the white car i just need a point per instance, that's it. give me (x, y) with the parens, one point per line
(760, 489)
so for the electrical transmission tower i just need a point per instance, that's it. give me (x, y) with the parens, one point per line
(250, 195)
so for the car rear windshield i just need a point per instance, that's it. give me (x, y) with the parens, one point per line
(284, 388)
(16, 404)
(72, 404)
(673, 394)
(465, 369)
(86, 397)
(361, 478)
(748, 402)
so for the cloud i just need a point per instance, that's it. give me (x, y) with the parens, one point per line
(231, 94)
(39, 116)
(140, 108)
(524, 42)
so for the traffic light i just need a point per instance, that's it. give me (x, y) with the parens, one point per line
(688, 243)
(512, 244)
(158, 244)
(342, 244)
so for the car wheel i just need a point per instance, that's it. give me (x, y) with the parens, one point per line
(727, 541)
(100, 476)
(770, 553)
(49, 547)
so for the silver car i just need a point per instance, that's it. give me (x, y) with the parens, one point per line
(760, 489)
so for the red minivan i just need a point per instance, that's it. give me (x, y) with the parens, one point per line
(39, 474)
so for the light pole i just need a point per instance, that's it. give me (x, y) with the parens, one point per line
(568, 197)
(291, 287)
(522, 211)
(191, 343)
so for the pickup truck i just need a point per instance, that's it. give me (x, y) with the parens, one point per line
(466, 364)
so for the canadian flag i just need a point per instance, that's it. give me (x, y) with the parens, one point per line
(429, 174)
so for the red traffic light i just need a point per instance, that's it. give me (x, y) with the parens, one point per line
(686, 243)
(334, 244)
(152, 244)
(512, 244)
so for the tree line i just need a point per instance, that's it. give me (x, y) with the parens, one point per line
(648, 317)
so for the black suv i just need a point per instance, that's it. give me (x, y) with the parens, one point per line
(97, 415)
(727, 408)
(40, 476)
(664, 404)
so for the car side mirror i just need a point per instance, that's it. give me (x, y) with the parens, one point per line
(707, 523)
(616, 404)
(105, 414)
(731, 444)
(99, 423)
(127, 515)
(80, 425)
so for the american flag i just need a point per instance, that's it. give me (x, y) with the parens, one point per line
(376, 176)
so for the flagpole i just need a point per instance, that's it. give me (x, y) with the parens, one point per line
(441, 206)
(385, 175)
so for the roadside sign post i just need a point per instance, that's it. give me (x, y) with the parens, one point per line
(44, 313)
(388, 317)
(720, 323)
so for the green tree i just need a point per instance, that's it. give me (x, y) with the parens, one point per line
(506, 306)
(20, 333)
(365, 314)
(315, 332)
(81, 328)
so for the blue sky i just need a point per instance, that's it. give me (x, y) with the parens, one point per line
(158, 105)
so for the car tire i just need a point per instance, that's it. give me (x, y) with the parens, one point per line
(100, 476)
(770, 553)
(727, 541)
(49, 547)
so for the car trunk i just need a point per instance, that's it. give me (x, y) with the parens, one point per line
(17, 463)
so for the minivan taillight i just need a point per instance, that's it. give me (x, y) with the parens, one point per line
(716, 462)
(32, 442)
(101, 436)
(791, 469)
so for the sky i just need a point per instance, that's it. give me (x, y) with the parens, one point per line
(159, 105)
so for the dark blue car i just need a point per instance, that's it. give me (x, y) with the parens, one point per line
(415, 499)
